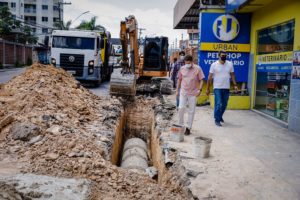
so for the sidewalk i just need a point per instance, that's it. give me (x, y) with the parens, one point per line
(251, 158)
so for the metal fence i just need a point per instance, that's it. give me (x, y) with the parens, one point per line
(12, 54)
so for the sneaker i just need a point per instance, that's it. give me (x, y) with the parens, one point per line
(218, 124)
(187, 131)
(222, 120)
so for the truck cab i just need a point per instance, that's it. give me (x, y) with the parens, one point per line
(79, 53)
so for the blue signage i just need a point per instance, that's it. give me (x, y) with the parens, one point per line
(231, 26)
(277, 67)
(219, 31)
(240, 62)
(232, 5)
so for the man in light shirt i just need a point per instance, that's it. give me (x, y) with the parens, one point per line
(190, 83)
(221, 71)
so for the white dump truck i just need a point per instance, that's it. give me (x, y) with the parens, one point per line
(79, 53)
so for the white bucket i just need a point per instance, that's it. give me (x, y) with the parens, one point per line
(202, 147)
(177, 133)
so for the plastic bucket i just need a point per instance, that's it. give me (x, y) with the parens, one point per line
(177, 133)
(202, 147)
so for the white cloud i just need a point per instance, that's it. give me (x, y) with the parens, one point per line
(155, 21)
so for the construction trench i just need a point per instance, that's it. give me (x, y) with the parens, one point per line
(137, 144)
(54, 148)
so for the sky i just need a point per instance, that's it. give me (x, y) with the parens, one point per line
(156, 16)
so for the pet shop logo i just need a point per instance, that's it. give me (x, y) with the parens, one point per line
(226, 27)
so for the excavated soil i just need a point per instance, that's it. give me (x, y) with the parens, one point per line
(51, 125)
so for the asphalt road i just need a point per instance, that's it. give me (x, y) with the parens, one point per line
(7, 74)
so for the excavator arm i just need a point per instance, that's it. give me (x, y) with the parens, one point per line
(123, 82)
(129, 38)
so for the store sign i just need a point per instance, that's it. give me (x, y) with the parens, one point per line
(240, 62)
(207, 46)
(226, 27)
(225, 32)
(275, 62)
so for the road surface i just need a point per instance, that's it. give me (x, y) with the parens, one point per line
(7, 74)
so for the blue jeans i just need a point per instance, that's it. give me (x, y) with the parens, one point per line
(221, 100)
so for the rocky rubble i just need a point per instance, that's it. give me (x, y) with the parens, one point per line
(58, 128)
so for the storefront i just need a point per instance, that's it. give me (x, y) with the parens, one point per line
(273, 69)
(275, 36)
(274, 40)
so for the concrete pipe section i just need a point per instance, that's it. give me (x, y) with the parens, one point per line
(135, 154)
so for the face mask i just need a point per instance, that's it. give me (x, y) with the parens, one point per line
(181, 57)
(223, 58)
(188, 66)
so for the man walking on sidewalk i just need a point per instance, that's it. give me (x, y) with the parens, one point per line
(221, 71)
(180, 62)
(190, 82)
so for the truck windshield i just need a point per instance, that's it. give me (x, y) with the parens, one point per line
(73, 42)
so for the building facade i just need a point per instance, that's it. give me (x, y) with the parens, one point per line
(41, 15)
(275, 38)
(272, 78)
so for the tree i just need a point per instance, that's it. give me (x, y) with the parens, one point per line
(27, 36)
(13, 30)
(63, 26)
(90, 25)
(7, 22)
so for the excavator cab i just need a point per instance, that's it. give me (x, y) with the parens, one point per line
(151, 63)
(155, 61)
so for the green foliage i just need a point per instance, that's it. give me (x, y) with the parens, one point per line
(7, 23)
(62, 25)
(13, 30)
(90, 25)
(27, 36)
(29, 61)
(18, 64)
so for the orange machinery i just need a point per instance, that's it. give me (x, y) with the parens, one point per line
(151, 62)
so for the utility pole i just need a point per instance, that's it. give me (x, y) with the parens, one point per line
(60, 3)
(140, 32)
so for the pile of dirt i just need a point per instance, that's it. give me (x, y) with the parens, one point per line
(56, 127)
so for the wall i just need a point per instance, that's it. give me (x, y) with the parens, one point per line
(294, 113)
(276, 12)
(12, 53)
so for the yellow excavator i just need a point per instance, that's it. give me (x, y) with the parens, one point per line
(151, 63)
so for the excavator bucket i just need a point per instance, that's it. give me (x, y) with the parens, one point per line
(122, 84)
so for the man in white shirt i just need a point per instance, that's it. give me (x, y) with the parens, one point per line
(221, 71)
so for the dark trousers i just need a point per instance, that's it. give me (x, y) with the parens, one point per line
(221, 100)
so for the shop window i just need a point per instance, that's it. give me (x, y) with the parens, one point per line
(272, 94)
(279, 38)
(273, 68)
